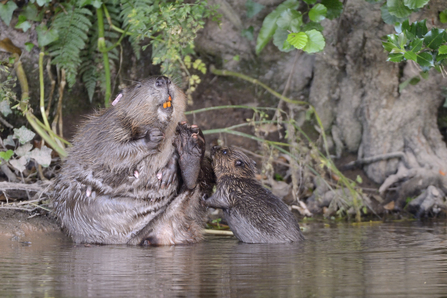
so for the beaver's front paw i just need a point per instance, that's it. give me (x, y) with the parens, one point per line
(190, 144)
(167, 175)
(153, 138)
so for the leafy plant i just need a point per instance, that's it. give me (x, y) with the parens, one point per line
(81, 36)
(292, 29)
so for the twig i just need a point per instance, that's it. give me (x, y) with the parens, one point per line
(217, 232)
(20, 186)
(6, 123)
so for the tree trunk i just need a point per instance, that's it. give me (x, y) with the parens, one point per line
(356, 93)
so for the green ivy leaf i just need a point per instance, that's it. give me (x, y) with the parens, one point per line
(410, 56)
(6, 155)
(415, 4)
(29, 46)
(398, 9)
(389, 18)
(42, 2)
(442, 49)
(23, 134)
(280, 40)
(31, 13)
(443, 16)
(5, 107)
(318, 13)
(42, 156)
(19, 164)
(253, 8)
(310, 1)
(425, 59)
(298, 40)
(269, 24)
(435, 38)
(6, 11)
(45, 36)
(23, 23)
(290, 20)
(315, 43)
(395, 57)
(334, 8)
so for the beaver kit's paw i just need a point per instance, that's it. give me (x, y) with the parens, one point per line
(168, 174)
(153, 138)
(190, 145)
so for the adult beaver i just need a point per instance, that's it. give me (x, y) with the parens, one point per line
(131, 174)
(253, 213)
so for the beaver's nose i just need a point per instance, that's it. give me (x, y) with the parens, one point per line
(162, 81)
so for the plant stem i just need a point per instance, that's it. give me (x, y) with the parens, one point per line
(105, 55)
(42, 91)
(221, 72)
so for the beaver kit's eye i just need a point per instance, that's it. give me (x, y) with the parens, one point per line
(224, 152)
(238, 163)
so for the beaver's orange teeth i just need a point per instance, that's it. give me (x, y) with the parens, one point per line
(167, 104)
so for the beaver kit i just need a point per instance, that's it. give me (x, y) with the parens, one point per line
(134, 174)
(253, 213)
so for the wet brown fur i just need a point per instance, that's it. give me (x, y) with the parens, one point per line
(253, 213)
(108, 190)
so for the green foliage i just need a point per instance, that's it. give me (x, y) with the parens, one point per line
(6, 11)
(253, 8)
(72, 25)
(285, 25)
(81, 41)
(318, 13)
(414, 42)
(269, 25)
(443, 16)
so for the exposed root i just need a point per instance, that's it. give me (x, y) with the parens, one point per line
(368, 160)
(432, 199)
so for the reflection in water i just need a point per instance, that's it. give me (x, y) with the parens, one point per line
(343, 260)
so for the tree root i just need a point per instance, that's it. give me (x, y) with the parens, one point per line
(368, 160)
(432, 199)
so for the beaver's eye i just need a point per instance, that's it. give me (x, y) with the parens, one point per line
(238, 163)
(224, 152)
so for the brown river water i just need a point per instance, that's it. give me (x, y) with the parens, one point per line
(336, 260)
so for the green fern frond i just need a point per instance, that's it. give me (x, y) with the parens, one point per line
(134, 15)
(89, 78)
(72, 25)
(90, 72)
